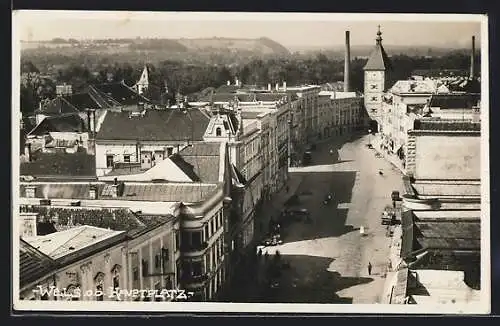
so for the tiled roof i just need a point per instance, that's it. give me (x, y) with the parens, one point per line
(159, 125)
(161, 192)
(447, 125)
(200, 162)
(378, 60)
(33, 264)
(60, 123)
(59, 164)
(454, 101)
(460, 235)
(62, 243)
(407, 235)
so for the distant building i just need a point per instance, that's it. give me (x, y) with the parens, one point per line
(340, 113)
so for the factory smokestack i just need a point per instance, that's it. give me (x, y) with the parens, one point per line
(472, 58)
(347, 62)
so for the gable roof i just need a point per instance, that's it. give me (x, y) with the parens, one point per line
(33, 264)
(155, 125)
(59, 244)
(59, 105)
(60, 123)
(59, 164)
(200, 162)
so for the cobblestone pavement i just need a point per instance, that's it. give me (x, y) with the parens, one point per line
(329, 257)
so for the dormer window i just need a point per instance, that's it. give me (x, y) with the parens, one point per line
(218, 131)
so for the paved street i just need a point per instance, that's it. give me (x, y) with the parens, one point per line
(329, 257)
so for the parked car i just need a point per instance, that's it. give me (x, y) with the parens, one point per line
(388, 216)
(272, 241)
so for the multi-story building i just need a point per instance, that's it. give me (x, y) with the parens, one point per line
(308, 107)
(140, 140)
(340, 113)
(376, 76)
(190, 185)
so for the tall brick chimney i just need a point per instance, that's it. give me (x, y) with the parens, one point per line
(472, 57)
(347, 62)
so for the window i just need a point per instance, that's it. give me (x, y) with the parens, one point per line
(30, 192)
(218, 131)
(177, 240)
(207, 234)
(373, 86)
(116, 282)
(170, 150)
(135, 273)
(126, 158)
(157, 261)
(374, 98)
(145, 267)
(212, 223)
(165, 256)
(109, 161)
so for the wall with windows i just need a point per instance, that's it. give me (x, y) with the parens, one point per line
(104, 271)
(152, 260)
(107, 154)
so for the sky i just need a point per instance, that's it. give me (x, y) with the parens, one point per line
(289, 29)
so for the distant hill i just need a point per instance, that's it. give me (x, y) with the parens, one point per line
(363, 51)
(260, 46)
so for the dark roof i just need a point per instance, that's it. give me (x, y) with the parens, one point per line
(200, 162)
(59, 105)
(154, 125)
(447, 125)
(60, 123)
(466, 101)
(33, 264)
(378, 60)
(121, 93)
(457, 235)
(407, 235)
(59, 164)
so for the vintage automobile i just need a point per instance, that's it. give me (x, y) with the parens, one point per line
(272, 241)
(388, 216)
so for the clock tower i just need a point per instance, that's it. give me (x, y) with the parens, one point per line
(376, 70)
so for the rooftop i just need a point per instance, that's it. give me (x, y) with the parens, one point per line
(441, 287)
(154, 125)
(454, 101)
(60, 123)
(33, 264)
(378, 60)
(59, 105)
(59, 164)
(59, 244)
(159, 192)
(446, 125)
(121, 93)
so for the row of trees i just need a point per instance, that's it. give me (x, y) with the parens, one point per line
(193, 78)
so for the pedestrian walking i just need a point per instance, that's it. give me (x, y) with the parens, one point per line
(369, 268)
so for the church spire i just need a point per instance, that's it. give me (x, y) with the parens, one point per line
(379, 36)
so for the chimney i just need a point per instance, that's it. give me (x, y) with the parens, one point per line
(277, 86)
(269, 86)
(472, 57)
(284, 85)
(27, 151)
(347, 62)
